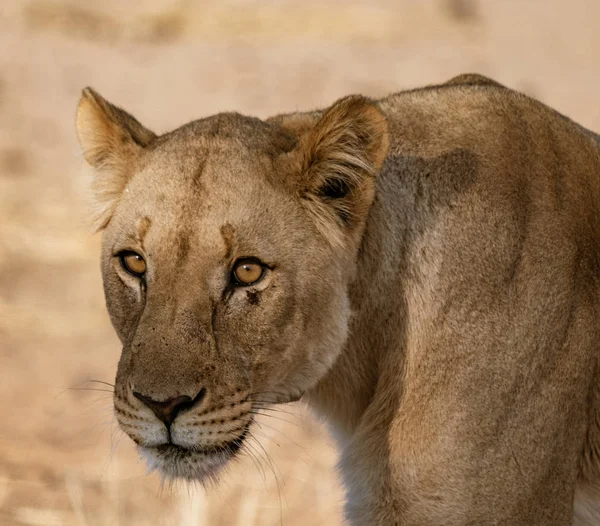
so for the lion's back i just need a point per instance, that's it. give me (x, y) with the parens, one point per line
(508, 209)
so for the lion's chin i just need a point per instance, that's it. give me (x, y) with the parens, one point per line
(176, 462)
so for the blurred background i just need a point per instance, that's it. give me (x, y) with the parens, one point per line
(63, 460)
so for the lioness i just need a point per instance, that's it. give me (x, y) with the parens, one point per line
(423, 270)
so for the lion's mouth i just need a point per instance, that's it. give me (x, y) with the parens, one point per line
(199, 464)
(229, 448)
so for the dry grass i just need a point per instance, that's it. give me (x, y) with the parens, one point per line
(62, 460)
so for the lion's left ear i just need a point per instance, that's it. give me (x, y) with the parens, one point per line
(340, 157)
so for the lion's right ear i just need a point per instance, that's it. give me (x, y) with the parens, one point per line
(111, 140)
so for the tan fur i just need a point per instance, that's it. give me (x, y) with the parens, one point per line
(111, 140)
(431, 288)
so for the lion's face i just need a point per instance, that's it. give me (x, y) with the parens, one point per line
(228, 248)
(240, 303)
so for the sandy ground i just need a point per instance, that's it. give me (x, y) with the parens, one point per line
(62, 459)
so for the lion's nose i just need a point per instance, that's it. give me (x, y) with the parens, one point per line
(167, 410)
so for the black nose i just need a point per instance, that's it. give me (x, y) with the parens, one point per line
(168, 410)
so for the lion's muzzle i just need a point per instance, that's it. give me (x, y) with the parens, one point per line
(167, 411)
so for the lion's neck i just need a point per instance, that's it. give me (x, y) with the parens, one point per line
(376, 335)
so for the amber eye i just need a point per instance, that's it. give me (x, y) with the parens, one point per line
(247, 271)
(133, 263)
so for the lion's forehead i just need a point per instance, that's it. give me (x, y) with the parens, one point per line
(199, 181)
(214, 219)
(190, 162)
(229, 135)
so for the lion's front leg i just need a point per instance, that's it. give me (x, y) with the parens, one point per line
(469, 446)
(449, 474)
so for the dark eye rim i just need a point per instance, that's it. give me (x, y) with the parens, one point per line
(237, 262)
(122, 255)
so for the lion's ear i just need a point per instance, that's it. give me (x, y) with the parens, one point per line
(109, 136)
(111, 140)
(296, 123)
(340, 158)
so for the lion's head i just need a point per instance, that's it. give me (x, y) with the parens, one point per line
(228, 248)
